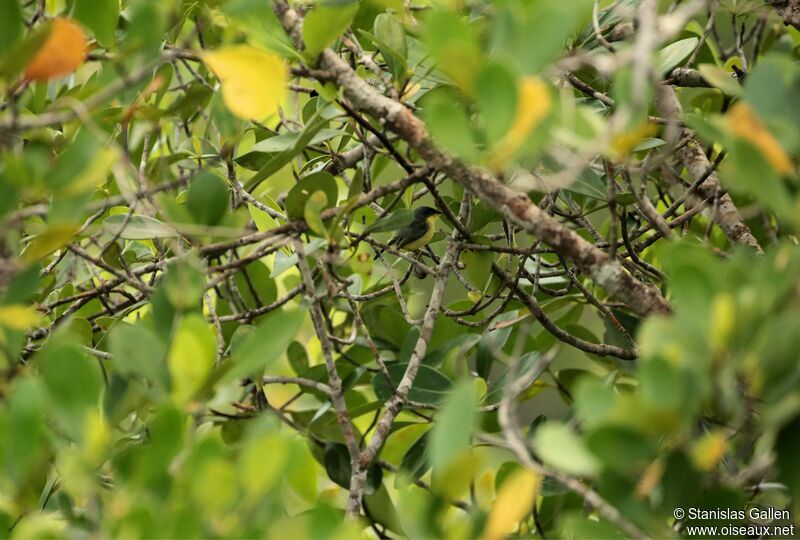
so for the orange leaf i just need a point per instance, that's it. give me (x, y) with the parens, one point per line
(63, 52)
(745, 124)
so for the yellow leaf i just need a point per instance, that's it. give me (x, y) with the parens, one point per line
(253, 81)
(191, 357)
(650, 479)
(480, 387)
(624, 142)
(474, 296)
(19, 317)
(410, 91)
(484, 490)
(63, 52)
(744, 123)
(709, 450)
(532, 107)
(95, 172)
(455, 479)
(514, 502)
(723, 318)
(96, 436)
(55, 237)
(257, 476)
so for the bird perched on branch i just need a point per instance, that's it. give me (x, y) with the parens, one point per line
(416, 234)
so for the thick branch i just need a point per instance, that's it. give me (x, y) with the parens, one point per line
(515, 206)
(789, 10)
(694, 159)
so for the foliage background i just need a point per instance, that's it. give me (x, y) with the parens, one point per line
(196, 341)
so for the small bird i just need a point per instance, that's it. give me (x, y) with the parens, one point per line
(416, 234)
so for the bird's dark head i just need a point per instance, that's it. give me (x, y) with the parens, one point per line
(424, 212)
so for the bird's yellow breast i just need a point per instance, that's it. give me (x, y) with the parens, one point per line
(423, 240)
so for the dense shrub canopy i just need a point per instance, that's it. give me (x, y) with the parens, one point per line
(206, 329)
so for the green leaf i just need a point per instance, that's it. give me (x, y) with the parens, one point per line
(612, 334)
(72, 382)
(208, 198)
(452, 432)
(191, 357)
(496, 98)
(532, 34)
(391, 40)
(621, 449)
(772, 83)
(298, 196)
(184, 282)
(430, 386)
(590, 184)
(478, 267)
(257, 156)
(264, 345)
(673, 54)
(626, 198)
(8, 193)
(787, 446)
(748, 171)
(579, 526)
(14, 58)
(492, 340)
(319, 120)
(137, 350)
(315, 204)
(53, 238)
(257, 288)
(195, 97)
(260, 24)
(324, 24)
(11, 25)
(668, 387)
(298, 357)
(257, 474)
(81, 168)
(416, 461)
(649, 144)
(721, 79)
(100, 16)
(337, 465)
(137, 228)
(560, 447)
(23, 287)
(262, 219)
(449, 124)
(454, 44)
(146, 27)
(26, 421)
(283, 262)
(382, 510)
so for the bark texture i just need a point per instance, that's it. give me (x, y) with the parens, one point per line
(789, 10)
(694, 159)
(517, 207)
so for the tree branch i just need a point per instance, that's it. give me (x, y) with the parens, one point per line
(515, 206)
(694, 159)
